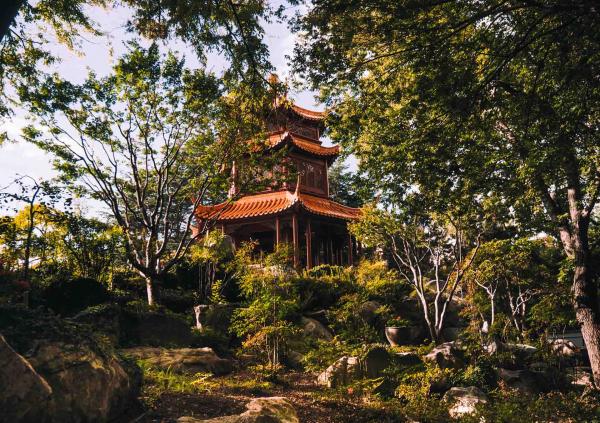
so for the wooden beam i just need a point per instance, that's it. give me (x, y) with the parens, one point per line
(295, 240)
(308, 234)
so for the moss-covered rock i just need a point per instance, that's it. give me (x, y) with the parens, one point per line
(90, 382)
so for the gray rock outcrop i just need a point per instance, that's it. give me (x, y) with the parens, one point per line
(191, 360)
(313, 328)
(464, 401)
(25, 394)
(445, 355)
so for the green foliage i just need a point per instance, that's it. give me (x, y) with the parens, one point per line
(551, 407)
(69, 296)
(513, 284)
(382, 283)
(265, 322)
(322, 353)
(398, 322)
(346, 187)
(159, 381)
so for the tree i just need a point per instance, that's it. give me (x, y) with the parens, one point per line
(473, 97)
(151, 142)
(38, 197)
(271, 301)
(512, 275)
(430, 256)
(346, 187)
(88, 247)
(28, 28)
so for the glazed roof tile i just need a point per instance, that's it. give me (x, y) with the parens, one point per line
(272, 203)
(303, 144)
(308, 114)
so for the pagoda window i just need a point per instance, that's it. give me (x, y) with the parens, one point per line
(310, 175)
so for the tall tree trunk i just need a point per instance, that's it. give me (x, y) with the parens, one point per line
(585, 299)
(8, 13)
(28, 241)
(150, 290)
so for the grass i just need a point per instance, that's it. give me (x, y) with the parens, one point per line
(158, 381)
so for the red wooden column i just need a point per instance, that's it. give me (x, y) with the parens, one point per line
(277, 231)
(295, 240)
(308, 234)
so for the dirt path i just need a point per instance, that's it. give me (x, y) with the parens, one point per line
(312, 403)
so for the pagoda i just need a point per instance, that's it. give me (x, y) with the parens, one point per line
(297, 212)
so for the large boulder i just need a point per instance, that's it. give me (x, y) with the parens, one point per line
(25, 395)
(313, 328)
(407, 358)
(446, 356)
(368, 311)
(89, 382)
(189, 360)
(259, 410)
(524, 381)
(375, 361)
(464, 400)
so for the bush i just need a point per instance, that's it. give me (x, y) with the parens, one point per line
(381, 283)
(552, 407)
(176, 300)
(70, 296)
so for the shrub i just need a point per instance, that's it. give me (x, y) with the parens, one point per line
(265, 323)
(70, 296)
(552, 407)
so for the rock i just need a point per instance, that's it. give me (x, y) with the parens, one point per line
(464, 400)
(259, 410)
(563, 348)
(89, 382)
(25, 395)
(375, 362)
(105, 319)
(347, 369)
(342, 372)
(581, 377)
(315, 329)
(439, 386)
(445, 356)
(524, 381)
(294, 359)
(353, 369)
(215, 316)
(522, 351)
(335, 375)
(191, 360)
(407, 358)
(368, 311)
(386, 388)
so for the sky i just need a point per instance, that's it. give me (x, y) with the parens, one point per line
(99, 54)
